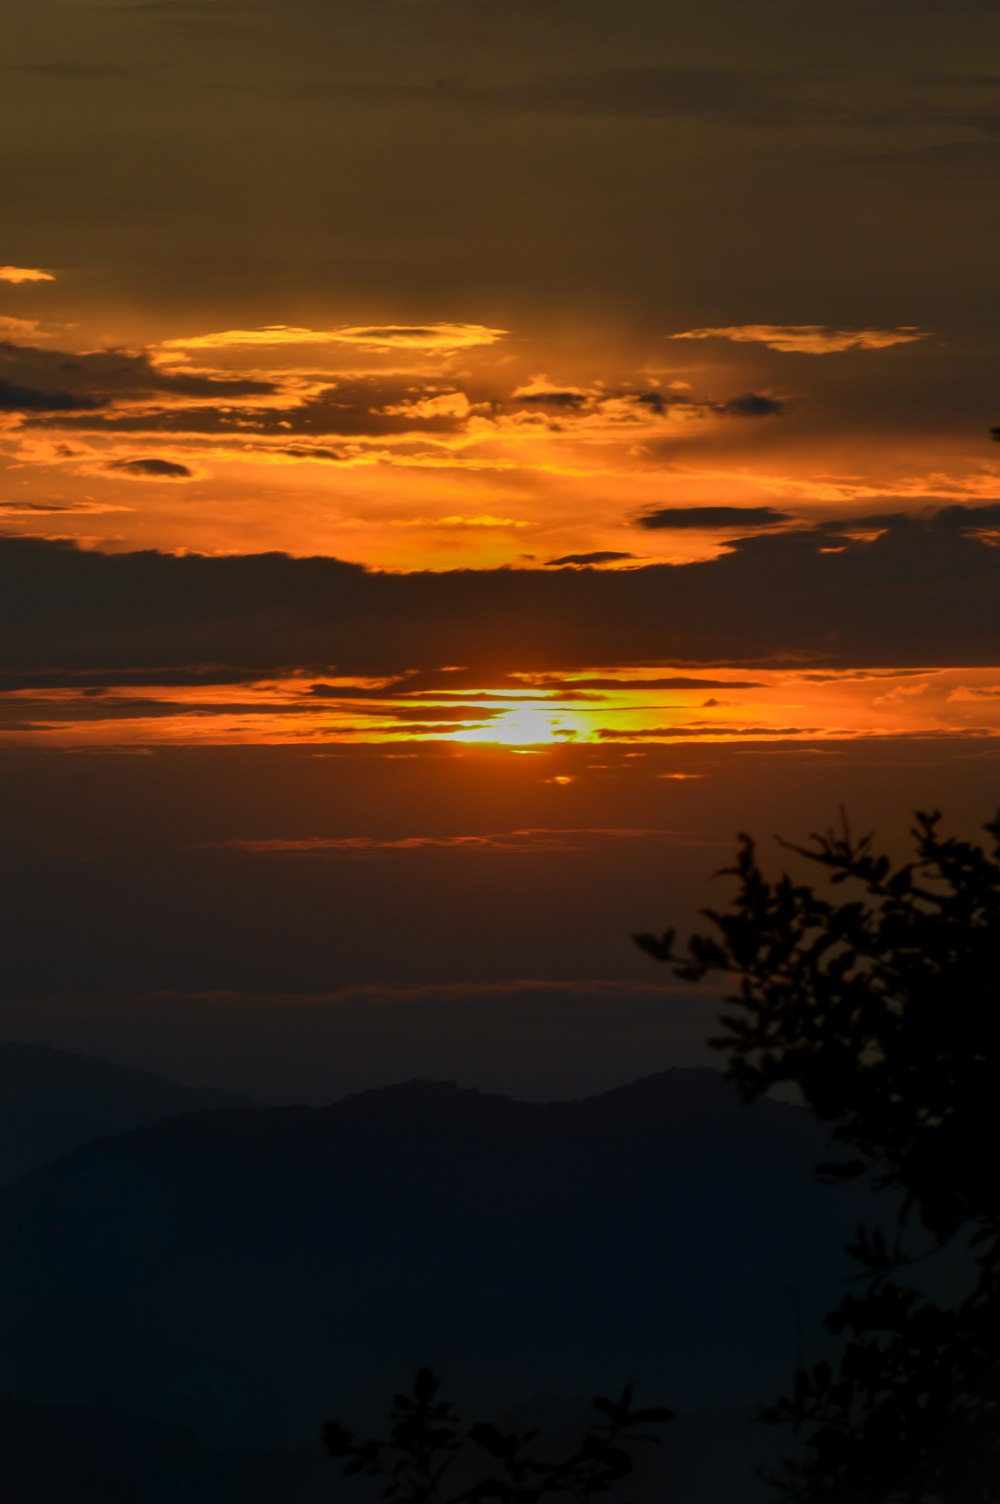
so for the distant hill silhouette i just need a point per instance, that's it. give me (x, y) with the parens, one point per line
(97, 1454)
(252, 1272)
(52, 1101)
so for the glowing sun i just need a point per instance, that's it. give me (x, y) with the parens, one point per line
(524, 726)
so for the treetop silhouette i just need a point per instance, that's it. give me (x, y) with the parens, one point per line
(419, 1462)
(884, 1011)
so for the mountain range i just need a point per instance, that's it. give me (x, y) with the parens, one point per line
(52, 1101)
(248, 1272)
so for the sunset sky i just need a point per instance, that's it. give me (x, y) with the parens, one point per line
(460, 462)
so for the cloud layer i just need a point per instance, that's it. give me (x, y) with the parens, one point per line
(887, 590)
(809, 339)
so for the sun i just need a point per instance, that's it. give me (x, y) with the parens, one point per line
(524, 726)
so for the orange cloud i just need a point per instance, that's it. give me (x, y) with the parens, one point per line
(24, 274)
(528, 840)
(424, 337)
(429, 338)
(808, 339)
(485, 519)
(12, 329)
(444, 405)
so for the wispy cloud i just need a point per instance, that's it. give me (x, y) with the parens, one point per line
(587, 561)
(808, 339)
(771, 99)
(55, 508)
(13, 329)
(430, 338)
(59, 380)
(24, 274)
(459, 521)
(711, 517)
(152, 469)
(525, 841)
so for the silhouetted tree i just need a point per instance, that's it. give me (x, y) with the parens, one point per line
(429, 1448)
(884, 1011)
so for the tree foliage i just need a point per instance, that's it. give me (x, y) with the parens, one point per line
(883, 1008)
(428, 1448)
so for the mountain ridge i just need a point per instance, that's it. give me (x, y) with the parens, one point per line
(55, 1101)
(248, 1272)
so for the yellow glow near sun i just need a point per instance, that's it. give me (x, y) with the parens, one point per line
(525, 726)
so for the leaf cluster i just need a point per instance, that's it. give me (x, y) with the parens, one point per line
(909, 1414)
(883, 1008)
(428, 1446)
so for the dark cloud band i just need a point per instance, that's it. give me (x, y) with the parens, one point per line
(917, 592)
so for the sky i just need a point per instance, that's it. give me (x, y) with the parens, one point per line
(461, 461)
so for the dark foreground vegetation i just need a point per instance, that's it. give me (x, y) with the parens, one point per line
(882, 1007)
(422, 1457)
(875, 994)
